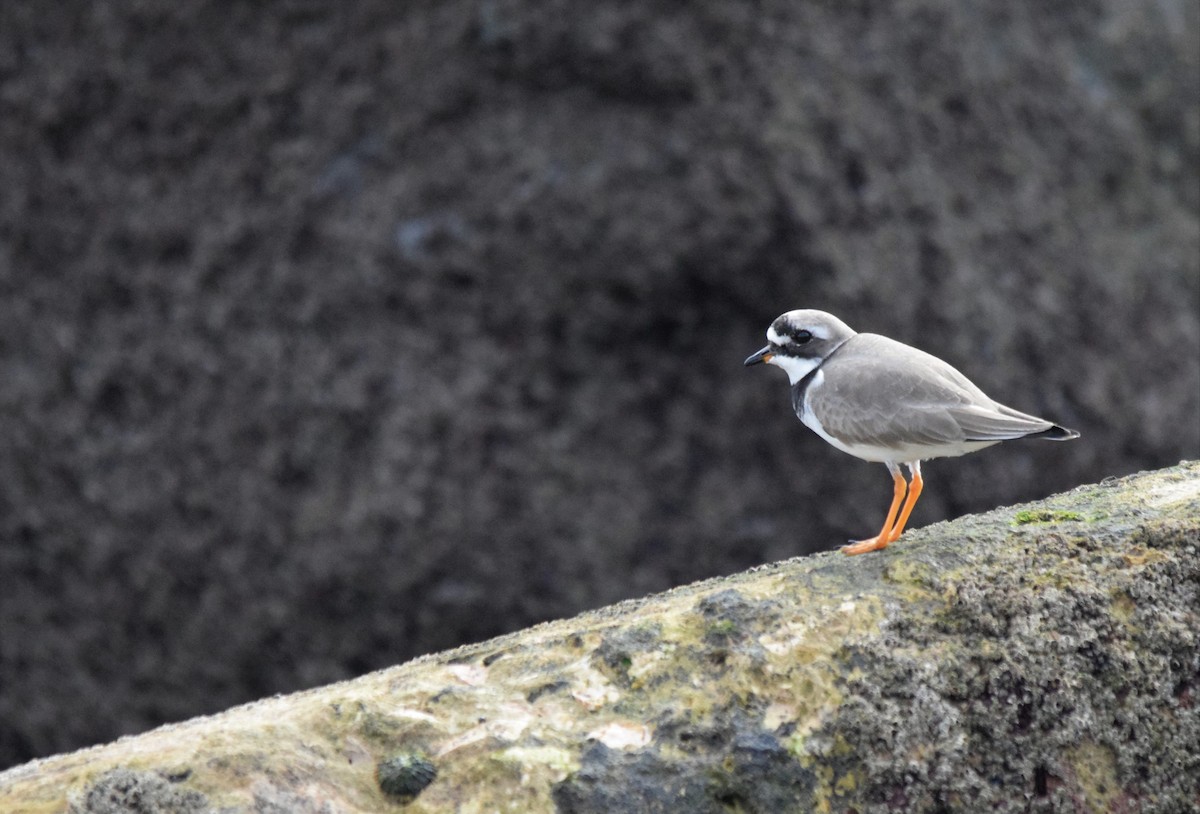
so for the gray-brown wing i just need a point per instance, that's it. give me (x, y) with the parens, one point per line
(884, 393)
(997, 423)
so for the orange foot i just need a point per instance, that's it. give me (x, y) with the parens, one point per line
(863, 546)
(892, 530)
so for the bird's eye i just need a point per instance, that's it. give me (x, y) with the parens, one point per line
(801, 337)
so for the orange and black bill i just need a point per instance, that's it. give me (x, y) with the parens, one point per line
(763, 355)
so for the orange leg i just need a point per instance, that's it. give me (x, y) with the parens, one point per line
(914, 492)
(884, 537)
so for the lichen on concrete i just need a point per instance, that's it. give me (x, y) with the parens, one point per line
(124, 791)
(978, 665)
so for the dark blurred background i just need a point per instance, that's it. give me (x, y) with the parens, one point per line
(333, 334)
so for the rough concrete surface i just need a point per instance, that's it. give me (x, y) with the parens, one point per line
(336, 333)
(1040, 658)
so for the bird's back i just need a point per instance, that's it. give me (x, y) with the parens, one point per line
(883, 400)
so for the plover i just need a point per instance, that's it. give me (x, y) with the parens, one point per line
(882, 400)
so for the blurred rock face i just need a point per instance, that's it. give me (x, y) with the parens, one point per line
(333, 336)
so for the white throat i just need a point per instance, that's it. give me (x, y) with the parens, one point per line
(796, 368)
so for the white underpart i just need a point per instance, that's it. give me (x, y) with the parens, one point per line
(910, 454)
(794, 367)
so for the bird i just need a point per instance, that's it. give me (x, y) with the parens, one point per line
(884, 401)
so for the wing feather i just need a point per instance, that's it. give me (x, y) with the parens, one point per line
(887, 394)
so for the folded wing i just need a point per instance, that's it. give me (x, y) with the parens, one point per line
(891, 395)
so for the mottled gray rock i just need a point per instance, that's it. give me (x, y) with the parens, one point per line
(1042, 658)
(123, 791)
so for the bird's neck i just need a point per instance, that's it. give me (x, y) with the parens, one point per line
(797, 367)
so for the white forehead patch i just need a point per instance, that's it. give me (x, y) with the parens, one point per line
(774, 338)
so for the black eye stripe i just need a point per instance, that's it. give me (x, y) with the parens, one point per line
(784, 335)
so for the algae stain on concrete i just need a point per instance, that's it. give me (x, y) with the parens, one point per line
(914, 578)
(1045, 516)
(1095, 768)
(1123, 607)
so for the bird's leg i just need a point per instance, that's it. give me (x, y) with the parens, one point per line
(884, 537)
(914, 492)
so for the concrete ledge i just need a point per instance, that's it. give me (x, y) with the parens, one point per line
(1042, 657)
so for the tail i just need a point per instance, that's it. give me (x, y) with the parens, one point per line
(1055, 433)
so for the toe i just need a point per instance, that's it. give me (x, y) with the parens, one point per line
(863, 546)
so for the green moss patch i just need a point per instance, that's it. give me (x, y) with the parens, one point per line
(1027, 516)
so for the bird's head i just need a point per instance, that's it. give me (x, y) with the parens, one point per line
(799, 341)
